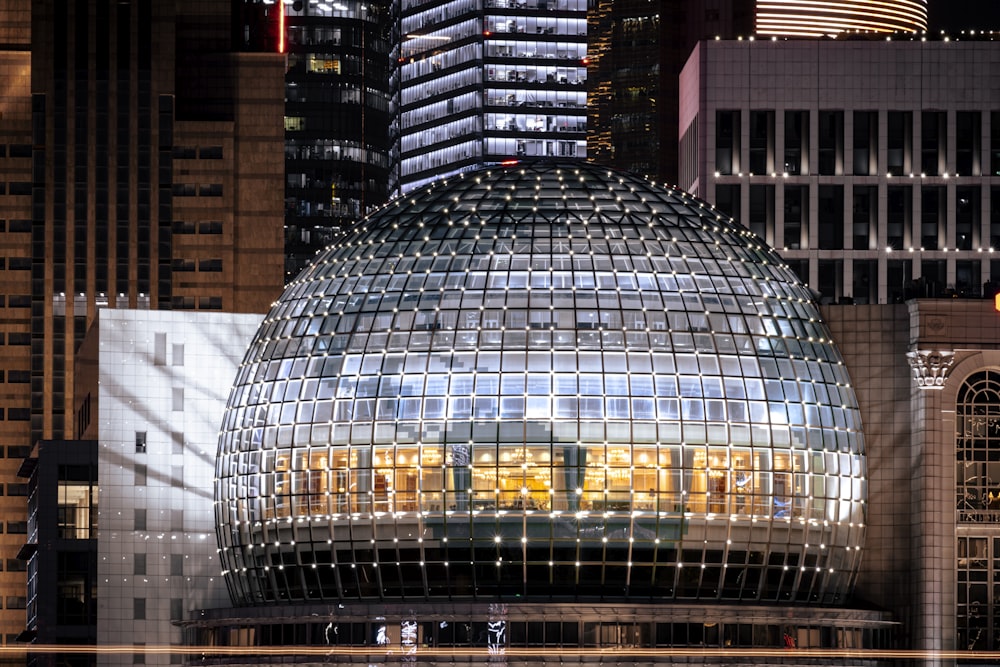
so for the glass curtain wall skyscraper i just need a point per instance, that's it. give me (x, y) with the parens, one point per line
(477, 82)
(336, 121)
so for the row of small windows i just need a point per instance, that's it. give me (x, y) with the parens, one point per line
(468, 260)
(534, 395)
(15, 414)
(15, 188)
(204, 265)
(439, 60)
(15, 263)
(326, 35)
(646, 432)
(615, 223)
(470, 78)
(331, 91)
(556, 340)
(190, 190)
(662, 280)
(15, 226)
(15, 451)
(206, 227)
(543, 407)
(780, 142)
(15, 300)
(195, 152)
(928, 217)
(469, 374)
(15, 150)
(203, 302)
(483, 367)
(16, 377)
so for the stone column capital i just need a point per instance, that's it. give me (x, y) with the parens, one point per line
(930, 367)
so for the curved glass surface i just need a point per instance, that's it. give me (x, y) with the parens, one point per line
(543, 381)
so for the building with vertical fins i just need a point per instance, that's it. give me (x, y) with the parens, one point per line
(15, 310)
(817, 18)
(475, 84)
(877, 189)
(141, 154)
(336, 121)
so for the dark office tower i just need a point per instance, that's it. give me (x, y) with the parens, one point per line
(156, 173)
(637, 50)
(478, 82)
(141, 162)
(336, 121)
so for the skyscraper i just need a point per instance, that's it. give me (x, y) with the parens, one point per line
(143, 162)
(15, 354)
(336, 121)
(636, 52)
(816, 18)
(476, 83)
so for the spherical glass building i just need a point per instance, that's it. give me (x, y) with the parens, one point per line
(543, 382)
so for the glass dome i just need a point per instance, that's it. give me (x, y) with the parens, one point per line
(543, 381)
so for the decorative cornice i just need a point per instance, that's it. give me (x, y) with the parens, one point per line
(931, 367)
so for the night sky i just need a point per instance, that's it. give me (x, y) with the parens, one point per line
(953, 16)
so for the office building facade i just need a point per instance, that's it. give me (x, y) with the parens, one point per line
(477, 82)
(336, 121)
(141, 158)
(875, 189)
(15, 325)
(822, 18)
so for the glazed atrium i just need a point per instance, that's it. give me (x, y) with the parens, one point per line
(476, 83)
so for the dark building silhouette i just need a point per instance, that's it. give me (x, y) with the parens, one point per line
(636, 52)
(336, 121)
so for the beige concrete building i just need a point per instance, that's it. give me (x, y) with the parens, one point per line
(876, 188)
(927, 377)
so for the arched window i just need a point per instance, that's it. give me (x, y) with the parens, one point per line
(977, 425)
(977, 458)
